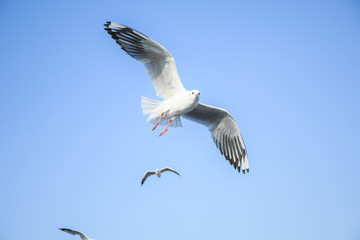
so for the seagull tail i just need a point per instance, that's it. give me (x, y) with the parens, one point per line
(149, 105)
(153, 108)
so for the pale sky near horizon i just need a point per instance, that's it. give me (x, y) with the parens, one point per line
(75, 145)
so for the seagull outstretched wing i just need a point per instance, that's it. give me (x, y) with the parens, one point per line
(225, 133)
(159, 63)
(147, 174)
(169, 169)
(74, 232)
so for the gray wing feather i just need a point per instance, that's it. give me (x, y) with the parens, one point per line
(159, 63)
(169, 169)
(225, 133)
(147, 174)
(75, 232)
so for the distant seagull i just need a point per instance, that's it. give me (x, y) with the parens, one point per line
(74, 232)
(158, 173)
(160, 66)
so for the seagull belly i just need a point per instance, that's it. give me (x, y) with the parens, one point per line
(179, 105)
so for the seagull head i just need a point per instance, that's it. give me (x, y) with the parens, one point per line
(195, 93)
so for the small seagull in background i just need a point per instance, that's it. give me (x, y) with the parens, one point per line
(74, 232)
(158, 173)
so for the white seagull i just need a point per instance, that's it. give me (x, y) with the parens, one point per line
(160, 66)
(74, 232)
(158, 173)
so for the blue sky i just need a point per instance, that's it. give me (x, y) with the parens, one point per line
(75, 145)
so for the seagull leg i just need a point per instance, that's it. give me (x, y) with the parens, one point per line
(158, 121)
(166, 127)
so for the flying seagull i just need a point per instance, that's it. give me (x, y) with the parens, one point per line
(160, 66)
(158, 173)
(74, 232)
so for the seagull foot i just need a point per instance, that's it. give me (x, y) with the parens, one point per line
(158, 121)
(163, 132)
(166, 127)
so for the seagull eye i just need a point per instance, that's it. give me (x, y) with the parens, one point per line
(192, 92)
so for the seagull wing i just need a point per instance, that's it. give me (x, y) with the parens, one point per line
(225, 133)
(74, 232)
(169, 169)
(159, 63)
(147, 174)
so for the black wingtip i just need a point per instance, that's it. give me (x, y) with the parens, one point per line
(247, 170)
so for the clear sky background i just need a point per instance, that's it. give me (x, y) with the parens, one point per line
(75, 145)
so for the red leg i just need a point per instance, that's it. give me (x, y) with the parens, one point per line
(166, 127)
(158, 121)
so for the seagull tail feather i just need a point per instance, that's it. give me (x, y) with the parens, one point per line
(154, 109)
(149, 105)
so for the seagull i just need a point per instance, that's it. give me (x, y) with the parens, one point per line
(74, 232)
(177, 101)
(158, 173)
